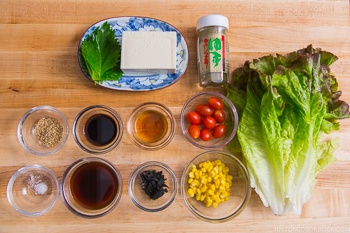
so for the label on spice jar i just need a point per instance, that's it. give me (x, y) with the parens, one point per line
(213, 48)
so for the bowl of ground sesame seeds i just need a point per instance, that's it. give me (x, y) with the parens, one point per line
(43, 130)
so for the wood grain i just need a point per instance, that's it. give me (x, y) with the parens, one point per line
(38, 65)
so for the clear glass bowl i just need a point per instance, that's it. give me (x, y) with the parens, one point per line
(85, 123)
(151, 126)
(32, 190)
(240, 190)
(26, 130)
(91, 187)
(231, 121)
(143, 200)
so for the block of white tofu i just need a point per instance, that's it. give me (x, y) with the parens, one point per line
(151, 52)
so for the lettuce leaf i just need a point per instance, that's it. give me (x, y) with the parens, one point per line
(285, 104)
(101, 54)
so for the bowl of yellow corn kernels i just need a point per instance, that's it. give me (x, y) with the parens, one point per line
(215, 186)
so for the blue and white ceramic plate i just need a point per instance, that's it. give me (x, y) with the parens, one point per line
(146, 81)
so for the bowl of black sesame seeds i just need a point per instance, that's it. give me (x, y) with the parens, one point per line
(152, 186)
(43, 130)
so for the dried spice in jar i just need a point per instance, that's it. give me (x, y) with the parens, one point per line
(48, 131)
(213, 50)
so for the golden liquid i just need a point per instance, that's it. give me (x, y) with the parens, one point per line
(151, 126)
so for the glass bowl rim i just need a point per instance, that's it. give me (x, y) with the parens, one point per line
(118, 121)
(233, 111)
(136, 172)
(33, 110)
(10, 197)
(248, 189)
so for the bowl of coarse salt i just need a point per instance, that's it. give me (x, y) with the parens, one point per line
(32, 190)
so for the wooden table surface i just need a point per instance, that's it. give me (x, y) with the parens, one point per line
(39, 66)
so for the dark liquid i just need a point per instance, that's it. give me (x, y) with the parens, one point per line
(100, 130)
(94, 185)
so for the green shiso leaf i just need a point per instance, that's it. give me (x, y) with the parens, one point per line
(285, 104)
(101, 54)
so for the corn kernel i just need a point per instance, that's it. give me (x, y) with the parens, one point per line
(196, 174)
(190, 192)
(217, 182)
(225, 169)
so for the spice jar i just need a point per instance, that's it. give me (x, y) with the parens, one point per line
(213, 50)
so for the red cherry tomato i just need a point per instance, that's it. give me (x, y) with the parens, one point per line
(204, 110)
(194, 118)
(215, 103)
(194, 131)
(219, 116)
(209, 122)
(205, 134)
(219, 131)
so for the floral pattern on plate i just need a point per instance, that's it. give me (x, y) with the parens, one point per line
(146, 81)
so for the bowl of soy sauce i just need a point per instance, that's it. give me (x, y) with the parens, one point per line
(91, 187)
(98, 129)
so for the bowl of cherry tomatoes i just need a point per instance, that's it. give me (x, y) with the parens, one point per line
(209, 120)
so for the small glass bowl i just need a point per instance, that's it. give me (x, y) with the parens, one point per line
(32, 190)
(231, 120)
(91, 187)
(151, 126)
(240, 190)
(26, 130)
(80, 131)
(143, 200)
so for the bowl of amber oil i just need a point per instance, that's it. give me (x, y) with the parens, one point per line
(151, 126)
(91, 187)
(97, 129)
(43, 130)
(152, 186)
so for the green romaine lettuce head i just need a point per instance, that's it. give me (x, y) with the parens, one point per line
(285, 104)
